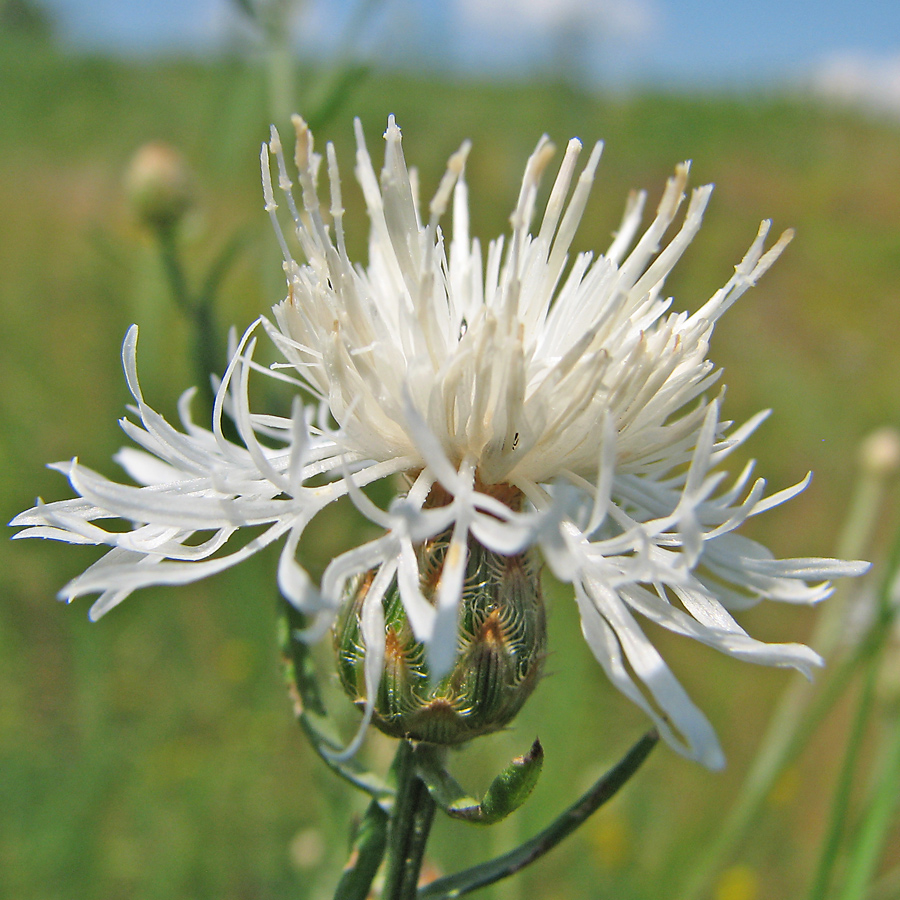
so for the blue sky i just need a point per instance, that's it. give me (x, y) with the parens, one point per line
(845, 45)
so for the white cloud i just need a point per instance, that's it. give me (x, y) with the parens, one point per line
(632, 20)
(860, 79)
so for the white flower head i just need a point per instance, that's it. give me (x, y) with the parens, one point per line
(555, 404)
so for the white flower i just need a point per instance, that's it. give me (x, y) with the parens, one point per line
(525, 375)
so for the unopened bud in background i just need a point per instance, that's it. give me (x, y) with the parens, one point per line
(879, 458)
(159, 185)
(879, 464)
(879, 453)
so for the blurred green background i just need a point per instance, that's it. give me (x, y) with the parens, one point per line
(153, 755)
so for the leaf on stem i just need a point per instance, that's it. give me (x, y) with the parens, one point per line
(510, 863)
(506, 793)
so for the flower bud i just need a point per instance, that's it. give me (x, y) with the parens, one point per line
(501, 639)
(879, 453)
(159, 185)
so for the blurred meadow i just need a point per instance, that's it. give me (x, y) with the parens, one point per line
(153, 755)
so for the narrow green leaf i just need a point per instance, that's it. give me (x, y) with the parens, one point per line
(510, 863)
(335, 92)
(840, 804)
(507, 792)
(876, 824)
(366, 854)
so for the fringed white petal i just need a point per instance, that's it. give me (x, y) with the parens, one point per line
(675, 716)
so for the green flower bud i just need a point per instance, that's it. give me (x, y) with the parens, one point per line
(159, 185)
(501, 640)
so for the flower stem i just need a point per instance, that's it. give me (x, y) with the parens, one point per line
(198, 310)
(875, 827)
(876, 822)
(408, 829)
(841, 801)
(168, 250)
(366, 855)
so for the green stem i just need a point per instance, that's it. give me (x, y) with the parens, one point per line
(408, 829)
(841, 802)
(280, 71)
(205, 349)
(168, 251)
(883, 800)
(366, 855)
(198, 310)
